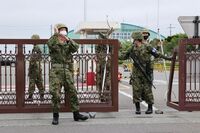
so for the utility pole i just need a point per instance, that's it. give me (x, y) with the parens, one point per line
(51, 29)
(170, 29)
(159, 37)
(158, 15)
(85, 10)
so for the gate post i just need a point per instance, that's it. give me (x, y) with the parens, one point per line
(20, 77)
(182, 73)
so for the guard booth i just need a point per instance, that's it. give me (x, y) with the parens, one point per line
(14, 79)
(188, 57)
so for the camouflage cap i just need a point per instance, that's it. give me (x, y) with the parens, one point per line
(137, 35)
(58, 26)
(35, 36)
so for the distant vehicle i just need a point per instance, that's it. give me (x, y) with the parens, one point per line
(7, 61)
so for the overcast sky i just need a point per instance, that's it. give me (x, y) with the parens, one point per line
(22, 18)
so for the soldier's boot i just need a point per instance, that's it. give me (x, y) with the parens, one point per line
(138, 111)
(41, 97)
(55, 119)
(30, 98)
(149, 110)
(78, 116)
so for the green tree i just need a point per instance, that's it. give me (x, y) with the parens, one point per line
(171, 42)
(125, 45)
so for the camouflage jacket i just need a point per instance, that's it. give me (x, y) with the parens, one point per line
(35, 59)
(144, 56)
(36, 54)
(61, 51)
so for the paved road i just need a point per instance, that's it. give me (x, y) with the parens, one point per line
(160, 92)
(124, 121)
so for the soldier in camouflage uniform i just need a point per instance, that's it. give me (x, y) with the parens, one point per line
(140, 83)
(101, 52)
(145, 34)
(61, 49)
(35, 71)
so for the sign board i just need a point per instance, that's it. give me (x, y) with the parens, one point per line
(190, 25)
(91, 28)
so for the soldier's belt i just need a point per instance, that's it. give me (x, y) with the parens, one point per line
(60, 65)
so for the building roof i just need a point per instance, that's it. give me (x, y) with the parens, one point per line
(131, 28)
(94, 27)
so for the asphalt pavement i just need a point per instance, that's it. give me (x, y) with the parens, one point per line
(124, 121)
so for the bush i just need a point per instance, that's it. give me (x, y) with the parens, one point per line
(120, 62)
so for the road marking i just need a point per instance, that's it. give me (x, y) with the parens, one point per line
(130, 96)
(157, 82)
(160, 82)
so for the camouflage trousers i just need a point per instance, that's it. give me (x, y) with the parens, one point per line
(99, 79)
(62, 77)
(142, 90)
(35, 79)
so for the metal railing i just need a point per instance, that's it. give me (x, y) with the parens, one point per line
(14, 79)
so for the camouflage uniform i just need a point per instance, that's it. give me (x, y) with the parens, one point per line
(100, 67)
(146, 34)
(142, 88)
(61, 49)
(139, 82)
(101, 63)
(35, 71)
(60, 73)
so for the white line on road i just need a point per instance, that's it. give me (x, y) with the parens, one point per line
(156, 81)
(130, 96)
(160, 82)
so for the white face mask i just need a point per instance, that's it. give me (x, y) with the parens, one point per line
(63, 32)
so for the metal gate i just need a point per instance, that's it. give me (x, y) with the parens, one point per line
(189, 76)
(14, 80)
